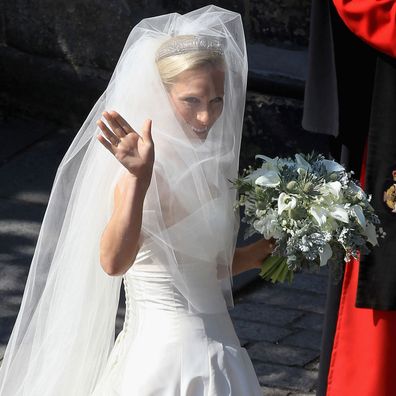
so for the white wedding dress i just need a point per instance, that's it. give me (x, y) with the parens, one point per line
(163, 350)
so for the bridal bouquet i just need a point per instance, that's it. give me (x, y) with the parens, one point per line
(312, 208)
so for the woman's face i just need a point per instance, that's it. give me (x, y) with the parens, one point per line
(197, 98)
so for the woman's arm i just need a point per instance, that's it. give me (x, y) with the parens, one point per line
(119, 243)
(251, 256)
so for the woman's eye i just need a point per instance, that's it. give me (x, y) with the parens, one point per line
(218, 100)
(191, 100)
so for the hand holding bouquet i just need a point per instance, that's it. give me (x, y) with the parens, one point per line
(313, 210)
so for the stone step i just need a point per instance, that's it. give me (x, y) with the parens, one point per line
(277, 71)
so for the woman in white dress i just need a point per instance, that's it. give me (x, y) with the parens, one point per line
(154, 209)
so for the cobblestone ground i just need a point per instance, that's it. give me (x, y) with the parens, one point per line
(279, 325)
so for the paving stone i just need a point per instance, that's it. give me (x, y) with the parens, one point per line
(265, 313)
(302, 394)
(287, 298)
(309, 339)
(259, 331)
(310, 321)
(306, 281)
(313, 365)
(21, 133)
(281, 354)
(274, 392)
(280, 376)
(29, 175)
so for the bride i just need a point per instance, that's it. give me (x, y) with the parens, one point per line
(153, 210)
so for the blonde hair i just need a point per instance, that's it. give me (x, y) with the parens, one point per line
(170, 66)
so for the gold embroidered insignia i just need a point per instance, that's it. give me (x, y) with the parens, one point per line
(390, 194)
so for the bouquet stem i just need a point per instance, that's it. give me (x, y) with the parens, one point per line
(275, 269)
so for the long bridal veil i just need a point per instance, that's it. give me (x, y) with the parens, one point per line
(65, 327)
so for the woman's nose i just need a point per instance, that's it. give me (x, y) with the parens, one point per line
(203, 117)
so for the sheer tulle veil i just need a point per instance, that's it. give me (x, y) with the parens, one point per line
(66, 324)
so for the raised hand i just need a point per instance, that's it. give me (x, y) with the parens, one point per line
(135, 152)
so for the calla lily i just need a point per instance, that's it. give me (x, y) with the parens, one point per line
(270, 160)
(371, 234)
(255, 174)
(325, 254)
(268, 179)
(302, 164)
(319, 214)
(339, 213)
(269, 163)
(286, 202)
(333, 188)
(332, 166)
(357, 211)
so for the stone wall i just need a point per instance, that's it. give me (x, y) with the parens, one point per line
(63, 51)
(57, 57)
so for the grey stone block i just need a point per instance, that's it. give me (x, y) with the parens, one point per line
(309, 339)
(265, 314)
(280, 22)
(253, 331)
(281, 354)
(303, 394)
(18, 134)
(287, 298)
(291, 378)
(306, 281)
(313, 365)
(29, 176)
(310, 321)
(274, 392)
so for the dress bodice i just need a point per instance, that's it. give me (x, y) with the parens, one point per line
(149, 284)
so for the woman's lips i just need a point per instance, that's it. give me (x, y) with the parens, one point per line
(200, 130)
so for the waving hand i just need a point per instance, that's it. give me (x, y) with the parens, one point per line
(135, 152)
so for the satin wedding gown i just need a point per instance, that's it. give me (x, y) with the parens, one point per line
(163, 350)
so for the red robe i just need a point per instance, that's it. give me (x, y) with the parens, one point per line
(374, 21)
(351, 95)
(363, 360)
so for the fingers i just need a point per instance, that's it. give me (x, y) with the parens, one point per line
(111, 118)
(108, 133)
(105, 143)
(146, 132)
(122, 123)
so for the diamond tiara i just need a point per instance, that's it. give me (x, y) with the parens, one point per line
(189, 44)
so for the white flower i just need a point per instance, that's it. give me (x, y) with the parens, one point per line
(325, 254)
(255, 174)
(319, 214)
(268, 179)
(268, 226)
(371, 234)
(338, 212)
(333, 188)
(359, 193)
(273, 162)
(286, 202)
(332, 166)
(302, 163)
(357, 211)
